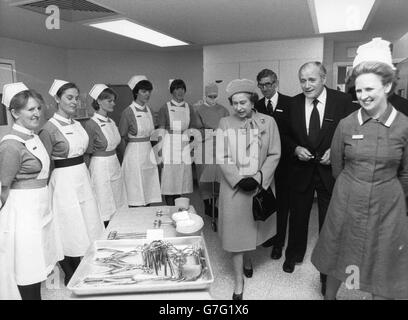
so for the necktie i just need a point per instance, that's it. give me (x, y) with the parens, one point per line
(314, 124)
(269, 107)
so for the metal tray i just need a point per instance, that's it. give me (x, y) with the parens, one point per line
(88, 268)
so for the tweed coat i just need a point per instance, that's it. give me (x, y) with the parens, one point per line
(237, 228)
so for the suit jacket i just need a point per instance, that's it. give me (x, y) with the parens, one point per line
(338, 106)
(279, 116)
(400, 103)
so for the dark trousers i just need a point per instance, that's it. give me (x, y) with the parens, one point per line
(30, 292)
(69, 265)
(300, 207)
(282, 199)
(170, 199)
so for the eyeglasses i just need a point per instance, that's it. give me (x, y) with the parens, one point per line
(265, 85)
(212, 96)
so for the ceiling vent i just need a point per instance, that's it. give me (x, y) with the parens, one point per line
(70, 10)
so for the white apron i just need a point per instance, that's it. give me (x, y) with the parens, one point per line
(29, 243)
(73, 200)
(106, 175)
(177, 175)
(141, 175)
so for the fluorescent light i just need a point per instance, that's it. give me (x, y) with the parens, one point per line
(340, 16)
(135, 31)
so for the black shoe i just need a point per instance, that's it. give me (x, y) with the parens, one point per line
(289, 266)
(268, 243)
(248, 272)
(276, 253)
(238, 296)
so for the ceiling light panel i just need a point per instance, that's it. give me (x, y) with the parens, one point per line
(341, 16)
(135, 31)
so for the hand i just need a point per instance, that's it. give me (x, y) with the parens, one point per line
(248, 184)
(303, 154)
(326, 158)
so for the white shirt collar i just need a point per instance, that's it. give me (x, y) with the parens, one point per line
(322, 98)
(274, 100)
(101, 117)
(62, 119)
(138, 106)
(177, 104)
(387, 122)
(21, 129)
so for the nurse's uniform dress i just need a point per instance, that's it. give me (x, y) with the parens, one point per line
(73, 199)
(139, 165)
(177, 176)
(104, 167)
(29, 240)
(208, 174)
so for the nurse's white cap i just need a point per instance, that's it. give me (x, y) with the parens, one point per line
(97, 90)
(10, 90)
(135, 80)
(375, 50)
(56, 85)
(170, 82)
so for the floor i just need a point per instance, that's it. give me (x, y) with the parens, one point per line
(269, 281)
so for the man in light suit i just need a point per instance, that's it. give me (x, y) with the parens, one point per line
(307, 134)
(274, 104)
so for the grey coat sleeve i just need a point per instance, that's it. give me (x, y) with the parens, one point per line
(273, 154)
(224, 158)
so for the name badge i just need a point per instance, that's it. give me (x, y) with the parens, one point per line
(69, 133)
(278, 110)
(329, 120)
(357, 136)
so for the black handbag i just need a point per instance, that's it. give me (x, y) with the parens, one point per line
(263, 203)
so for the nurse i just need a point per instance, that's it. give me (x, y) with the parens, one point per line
(73, 200)
(176, 117)
(29, 243)
(139, 167)
(209, 112)
(104, 166)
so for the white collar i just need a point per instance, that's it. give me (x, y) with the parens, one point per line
(62, 119)
(322, 98)
(101, 117)
(177, 104)
(274, 100)
(387, 123)
(21, 129)
(138, 106)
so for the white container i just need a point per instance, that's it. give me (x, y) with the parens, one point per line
(183, 203)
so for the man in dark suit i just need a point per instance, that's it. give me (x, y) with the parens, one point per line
(307, 134)
(274, 104)
(399, 103)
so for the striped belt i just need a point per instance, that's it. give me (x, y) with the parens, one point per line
(104, 153)
(29, 184)
(145, 139)
(61, 163)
